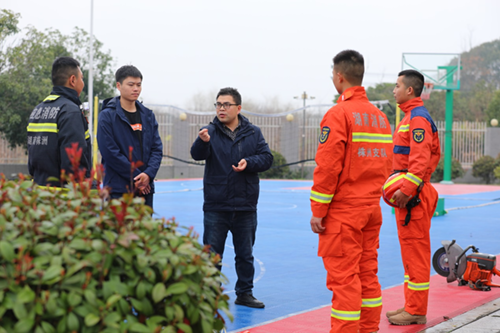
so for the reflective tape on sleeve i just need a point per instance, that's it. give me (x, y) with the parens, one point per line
(407, 278)
(404, 128)
(42, 127)
(371, 137)
(320, 197)
(414, 179)
(87, 134)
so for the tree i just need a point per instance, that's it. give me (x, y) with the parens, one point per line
(481, 63)
(383, 91)
(493, 109)
(25, 71)
(78, 45)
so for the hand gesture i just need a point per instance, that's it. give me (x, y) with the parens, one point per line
(401, 199)
(141, 181)
(241, 166)
(316, 225)
(204, 136)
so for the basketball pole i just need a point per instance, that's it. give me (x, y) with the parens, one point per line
(448, 134)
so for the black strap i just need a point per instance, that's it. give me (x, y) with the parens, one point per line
(414, 202)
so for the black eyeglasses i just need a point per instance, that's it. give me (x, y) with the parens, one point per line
(225, 105)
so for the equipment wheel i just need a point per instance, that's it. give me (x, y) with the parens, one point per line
(479, 284)
(440, 262)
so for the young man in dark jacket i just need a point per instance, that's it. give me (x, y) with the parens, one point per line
(235, 152)
(56, 123)
(125, 123)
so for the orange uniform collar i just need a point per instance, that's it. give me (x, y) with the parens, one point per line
(350, 92)
(411, 104)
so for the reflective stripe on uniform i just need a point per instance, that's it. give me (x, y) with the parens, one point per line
(53, 188)
(418, 286)
(407, 278)
(87, 134)
(321, 197)
(371, 302)
(63, 189)
(414, 179)
(404, 128)
(42, 127)
(371, 137)
(346, 315)
(51, 98)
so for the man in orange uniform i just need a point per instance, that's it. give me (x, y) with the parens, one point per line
(353, 161)
(417, 152)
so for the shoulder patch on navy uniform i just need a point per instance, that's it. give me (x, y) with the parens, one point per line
(418, 135)
(325, 131)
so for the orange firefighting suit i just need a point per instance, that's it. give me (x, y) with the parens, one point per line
(353, 161)
(416, 149)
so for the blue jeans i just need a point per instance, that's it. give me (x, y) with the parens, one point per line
(243, 226)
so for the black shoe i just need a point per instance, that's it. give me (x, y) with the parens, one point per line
(249, 300)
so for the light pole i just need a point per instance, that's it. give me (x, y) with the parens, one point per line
(304, 96)
(91, 73)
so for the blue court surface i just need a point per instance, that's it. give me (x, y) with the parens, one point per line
(289, 276)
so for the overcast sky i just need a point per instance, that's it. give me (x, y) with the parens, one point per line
(266, 49)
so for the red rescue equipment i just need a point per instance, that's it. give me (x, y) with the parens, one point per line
(392, 184)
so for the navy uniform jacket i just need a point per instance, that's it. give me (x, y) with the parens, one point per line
(53, 126)
(223, 188)
(115, 136)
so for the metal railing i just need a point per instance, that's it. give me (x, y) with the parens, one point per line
(178, 129)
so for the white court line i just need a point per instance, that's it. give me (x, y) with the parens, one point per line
(476, 206)
(184, 190)
(262, 269)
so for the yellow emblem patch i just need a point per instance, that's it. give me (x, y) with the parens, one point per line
(325, 131)
(418, 135)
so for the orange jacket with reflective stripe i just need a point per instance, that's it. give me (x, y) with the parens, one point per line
(354, 154)
(416, 145)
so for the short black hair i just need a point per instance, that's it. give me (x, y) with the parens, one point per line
(351, 64)
(127, 71)
(414, 79)
(62, 69)
(232, 92)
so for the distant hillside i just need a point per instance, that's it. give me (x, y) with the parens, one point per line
(482, 63)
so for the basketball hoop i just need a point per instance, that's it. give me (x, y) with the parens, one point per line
(426, 92)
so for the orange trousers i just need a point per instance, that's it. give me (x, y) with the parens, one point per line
(349, 249)
(415, 243)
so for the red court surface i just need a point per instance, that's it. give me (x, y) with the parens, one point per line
(446, 300)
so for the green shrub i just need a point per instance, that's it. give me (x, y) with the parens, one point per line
(483, 168)
(72, 262)
(456, 170)
(282, 172)
(496, 172)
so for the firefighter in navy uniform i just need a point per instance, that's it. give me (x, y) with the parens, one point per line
(56, 123)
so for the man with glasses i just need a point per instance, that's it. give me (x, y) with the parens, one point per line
(235, 152)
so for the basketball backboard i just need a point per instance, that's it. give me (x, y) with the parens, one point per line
(440, 69)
